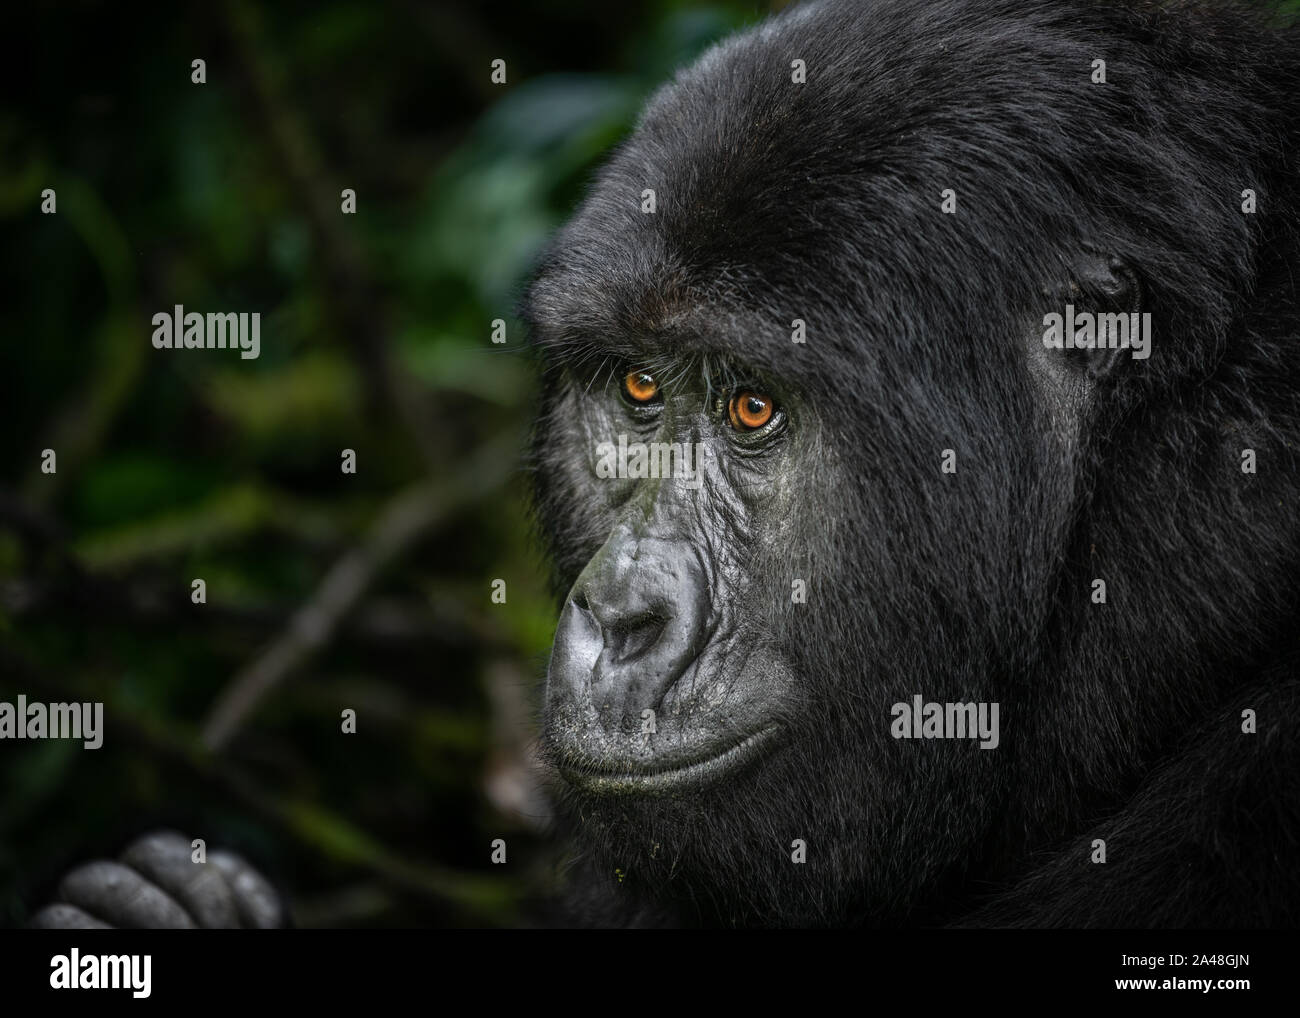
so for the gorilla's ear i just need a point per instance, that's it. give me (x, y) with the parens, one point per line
(1097, 283)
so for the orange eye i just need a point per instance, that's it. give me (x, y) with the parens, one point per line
(640, 386)
(749, 410)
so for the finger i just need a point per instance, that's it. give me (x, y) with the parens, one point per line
(165, 858)
(258, 904)
(118, 894)
(65, 917)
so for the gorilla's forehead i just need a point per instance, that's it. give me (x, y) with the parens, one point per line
(774, 201)
(820, 201)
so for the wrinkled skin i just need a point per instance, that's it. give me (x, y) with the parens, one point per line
(661, 617)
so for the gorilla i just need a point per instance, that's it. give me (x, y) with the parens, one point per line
(918, 455)
(823, 263)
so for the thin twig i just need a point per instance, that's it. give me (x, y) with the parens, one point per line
(408, 517)
(351, 291)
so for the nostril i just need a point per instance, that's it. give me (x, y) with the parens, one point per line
(631, 637)
(626, 632)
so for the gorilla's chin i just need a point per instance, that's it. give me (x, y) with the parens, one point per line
(708, 726)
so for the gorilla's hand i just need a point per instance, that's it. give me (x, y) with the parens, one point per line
(156, 885)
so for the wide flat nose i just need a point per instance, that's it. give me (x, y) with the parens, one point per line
(633, 623)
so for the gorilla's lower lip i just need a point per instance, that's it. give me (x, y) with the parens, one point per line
(592, 777)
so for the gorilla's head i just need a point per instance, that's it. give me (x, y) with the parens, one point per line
(804, 454)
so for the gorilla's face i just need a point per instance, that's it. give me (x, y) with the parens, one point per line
(667, 672)
(759, 565)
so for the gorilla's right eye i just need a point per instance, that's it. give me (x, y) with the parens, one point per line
(750, 410)
(640, 388)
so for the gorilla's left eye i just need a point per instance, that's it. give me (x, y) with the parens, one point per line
(750, 410)
(640, 388)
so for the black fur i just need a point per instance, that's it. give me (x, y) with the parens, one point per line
(821, 201)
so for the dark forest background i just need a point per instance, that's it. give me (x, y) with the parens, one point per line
(325, 590)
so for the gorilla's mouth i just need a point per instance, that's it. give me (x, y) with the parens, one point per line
(608, 777)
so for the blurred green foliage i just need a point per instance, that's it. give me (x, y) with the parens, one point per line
(224, 196)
